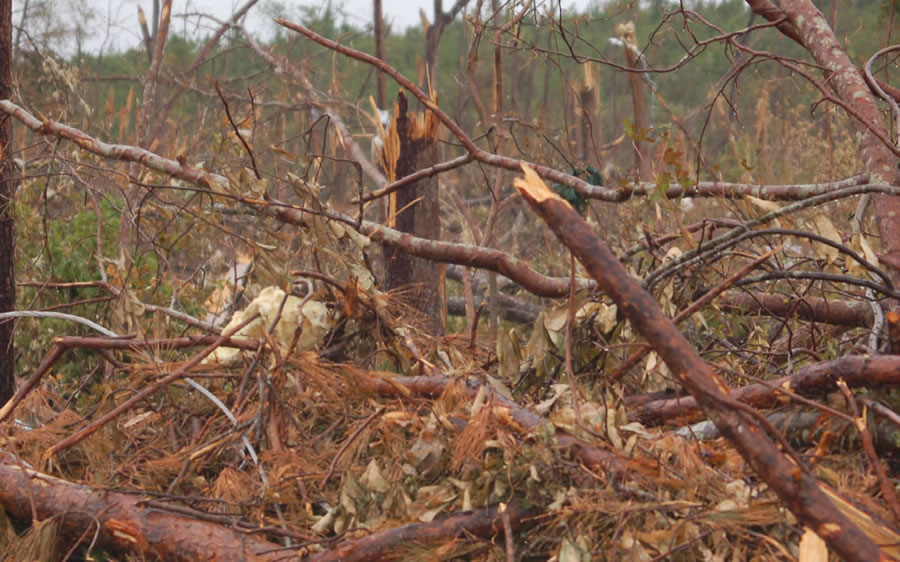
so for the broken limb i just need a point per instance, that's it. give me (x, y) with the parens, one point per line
(797, 487)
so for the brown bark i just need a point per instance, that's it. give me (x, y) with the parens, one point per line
(818, 379)
(8, 182)
(643, 148)
(122, 522)
(415, 209)
(838, 313)
(810, 27)
(392, 544)
(795, 485)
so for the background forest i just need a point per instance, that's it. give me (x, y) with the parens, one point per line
(279, 348)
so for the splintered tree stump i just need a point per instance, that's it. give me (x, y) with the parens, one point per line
(410, 145)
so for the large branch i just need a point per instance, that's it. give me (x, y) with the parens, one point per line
(815, 380)
(795, 485)
(838, 313)
(380, 545)
(122, 521)
(848, 82)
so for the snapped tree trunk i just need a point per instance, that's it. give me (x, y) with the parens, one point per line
(8, 181)
(411, 145)
(641, 128)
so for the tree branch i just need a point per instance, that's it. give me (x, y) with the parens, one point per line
(795, 485)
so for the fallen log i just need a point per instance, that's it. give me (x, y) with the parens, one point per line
(121, 521)
(817, 379)
(838, 313)
(485, 522)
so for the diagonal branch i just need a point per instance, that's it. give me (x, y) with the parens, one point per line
(795, 485)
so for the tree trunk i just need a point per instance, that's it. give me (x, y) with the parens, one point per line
(411, 145)
(8, 182)
(380, 95)
(642, 145)
(809, 27)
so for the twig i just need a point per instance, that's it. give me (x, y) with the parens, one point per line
(237, 131)
(570, 333)
(414, 177)
(346, 445)
(859, 419)
(112, 414)
(694, 306)
(503, 509)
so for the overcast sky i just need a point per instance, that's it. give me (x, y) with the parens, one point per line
(117, 27)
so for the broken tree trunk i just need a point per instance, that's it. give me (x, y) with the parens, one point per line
(411, 145)
(643, 146)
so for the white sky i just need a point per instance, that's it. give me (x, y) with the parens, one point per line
(117, 27)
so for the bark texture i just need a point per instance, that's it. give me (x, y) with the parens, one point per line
(8, 182)
(795, 485)
(817, 379)
(411, 145)
(847, 81)
(122, 521)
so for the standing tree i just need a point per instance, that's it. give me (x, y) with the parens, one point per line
(8, 182)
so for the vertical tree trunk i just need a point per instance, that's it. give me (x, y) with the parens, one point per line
(129, 238)
(411, 145)
(8, 181)
(588, 105)
(642, 146)
(380, 96)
